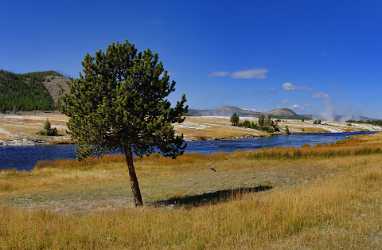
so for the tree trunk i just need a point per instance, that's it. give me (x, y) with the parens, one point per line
(133, 176)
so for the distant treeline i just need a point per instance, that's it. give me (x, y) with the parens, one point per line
(372, 122)
(24, 92)
(265, 123)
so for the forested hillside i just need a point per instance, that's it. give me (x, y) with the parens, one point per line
(25, 92)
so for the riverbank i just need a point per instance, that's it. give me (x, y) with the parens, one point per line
(323, 197)
(49, 184)
(22, 129)
(25, 157)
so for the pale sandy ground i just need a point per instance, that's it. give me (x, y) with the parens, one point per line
(26, 126)
(298, 126)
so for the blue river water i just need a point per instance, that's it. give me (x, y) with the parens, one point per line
(25, 157)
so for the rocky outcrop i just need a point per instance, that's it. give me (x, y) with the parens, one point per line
(57, 85)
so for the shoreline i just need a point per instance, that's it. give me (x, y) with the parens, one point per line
(21, 142)
(35, 159)
(22, 129)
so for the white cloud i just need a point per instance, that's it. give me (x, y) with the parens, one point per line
(299, 107)
(242, 74)
(288, 86)
(218, 74)
(250, 74)
(326, 105)
(320, 95)
(249, 109)
(296, 106)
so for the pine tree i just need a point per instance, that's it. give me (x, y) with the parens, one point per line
(47, 125)
(48, 130)
(120, 102)
(261, 121)
(235, 119)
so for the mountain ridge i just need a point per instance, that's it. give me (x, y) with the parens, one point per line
(282, 113)
(31, 91)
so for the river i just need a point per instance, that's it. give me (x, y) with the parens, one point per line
(25, 157)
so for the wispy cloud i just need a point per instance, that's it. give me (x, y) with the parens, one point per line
(250, 74)
(288, 86)
(254, 73)
(297, 106)
(219, 74)
(320, 95)
(328, 111)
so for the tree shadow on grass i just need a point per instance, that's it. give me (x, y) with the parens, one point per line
(211, 198)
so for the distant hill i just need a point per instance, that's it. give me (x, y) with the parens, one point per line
(285, 113)
(282, 113)
(31, 91)
(223, 111)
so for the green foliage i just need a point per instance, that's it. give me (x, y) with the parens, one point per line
(235, 119)
(48, 130)
(261, 120)
(372, 122)
(248, 124)
(47, 125)
(24, 91)
(317, 122)
(287, 130)
(268, 121)
(265, 123)
(120, 101)
(269, 129)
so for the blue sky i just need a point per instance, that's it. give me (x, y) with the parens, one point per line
(319, 57)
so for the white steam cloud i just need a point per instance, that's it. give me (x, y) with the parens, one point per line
(328, 110)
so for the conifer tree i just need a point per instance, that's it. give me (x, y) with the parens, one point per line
(120, 102)
(261, 121)
(235, 119)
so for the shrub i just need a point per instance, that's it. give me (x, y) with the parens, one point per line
(268, 125)
(48, 130)
(235, 119)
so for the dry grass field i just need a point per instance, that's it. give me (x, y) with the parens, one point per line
(322, 197)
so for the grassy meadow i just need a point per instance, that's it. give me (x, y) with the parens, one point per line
(321, 197)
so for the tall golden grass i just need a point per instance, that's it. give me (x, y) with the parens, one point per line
(359, 145)
(342, 212)
(339, 209)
